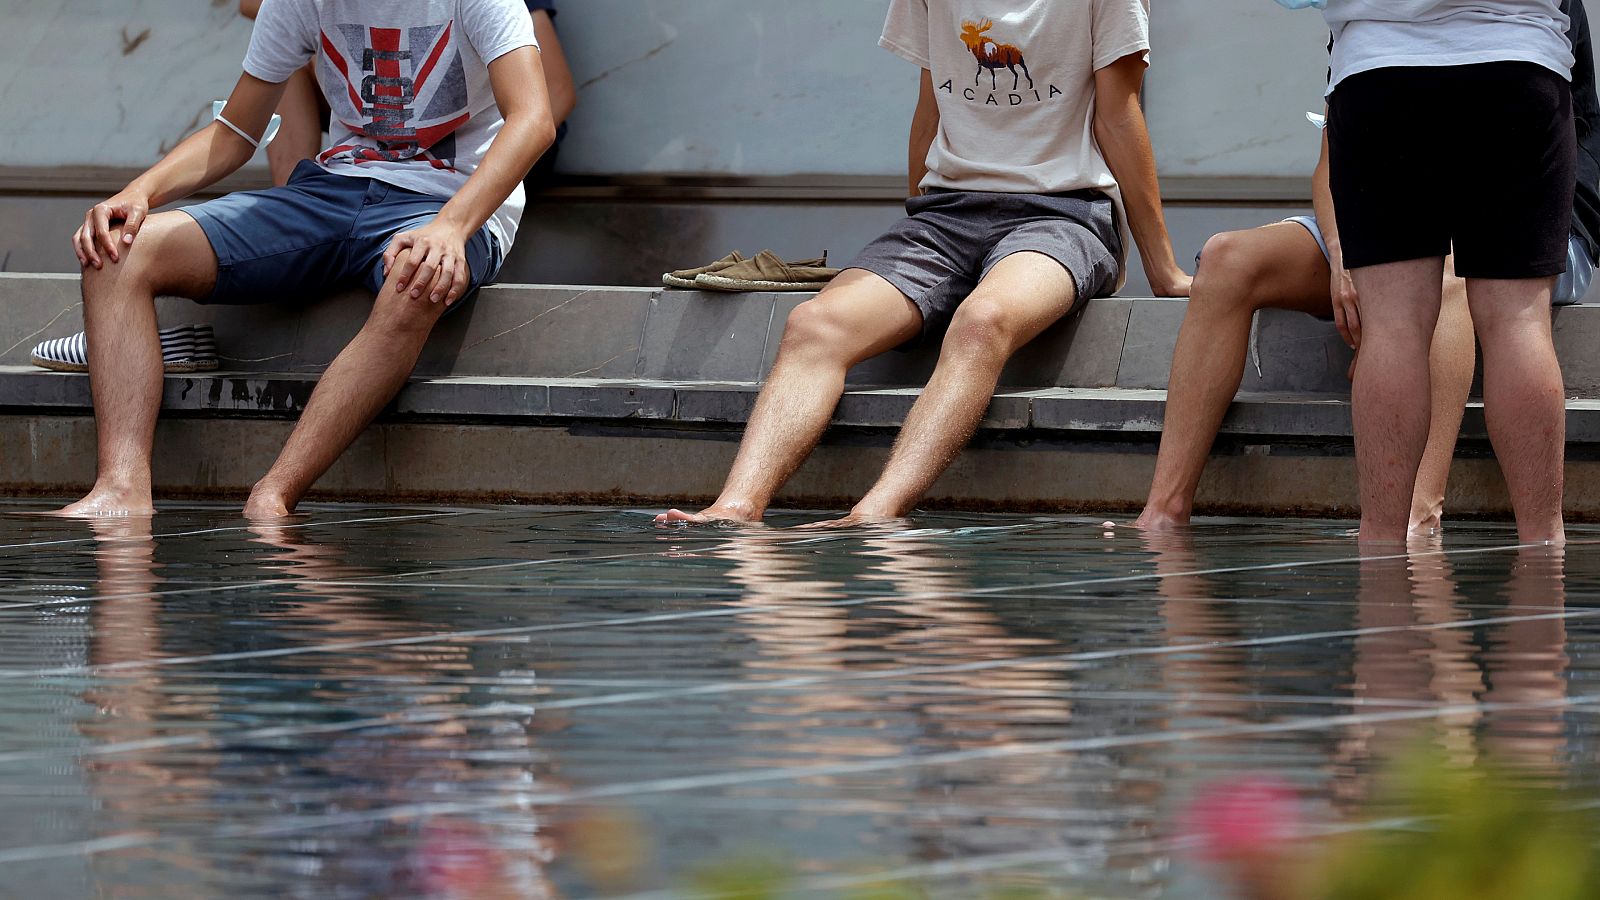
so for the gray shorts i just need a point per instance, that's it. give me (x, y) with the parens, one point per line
(1571, 287)
(950, 240)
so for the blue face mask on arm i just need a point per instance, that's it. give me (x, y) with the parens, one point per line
(1303, 4)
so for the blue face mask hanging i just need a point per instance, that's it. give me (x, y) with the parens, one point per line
(1303, 4)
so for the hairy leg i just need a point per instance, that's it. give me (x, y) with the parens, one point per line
(300, 136)
(1278, 266)
(1451, 362)
(1524, 398)
(366, 375)
(171, 256)
(1393, 407)
(859, 316)
(1022, 296)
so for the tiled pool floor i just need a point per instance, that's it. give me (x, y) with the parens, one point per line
(462, 702)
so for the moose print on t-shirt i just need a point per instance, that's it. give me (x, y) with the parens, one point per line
(993, 56)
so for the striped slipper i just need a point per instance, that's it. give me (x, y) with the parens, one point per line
(186, 348)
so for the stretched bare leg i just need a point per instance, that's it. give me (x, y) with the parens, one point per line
(365, 376)
(859, 316)
(1400, 311)
(1451, 362)
(1278, 266)
(1524, 399)
(171, 256)
(1022, 296)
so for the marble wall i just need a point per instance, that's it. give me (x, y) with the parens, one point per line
(705, 87)
(111, 82)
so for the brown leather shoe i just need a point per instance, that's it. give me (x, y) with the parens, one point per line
(769, 273)
(684, 278)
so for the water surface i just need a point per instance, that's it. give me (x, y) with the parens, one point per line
(449, 702)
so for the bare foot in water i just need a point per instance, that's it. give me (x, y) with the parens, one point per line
(109, 503)
(711, 515)
(264, 506)
(1155, 520)
(861, 517)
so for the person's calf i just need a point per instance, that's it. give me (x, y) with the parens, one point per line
(170, 256)
(364, 378)
(1524, 399)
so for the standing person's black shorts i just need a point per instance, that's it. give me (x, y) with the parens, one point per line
(1479, 158)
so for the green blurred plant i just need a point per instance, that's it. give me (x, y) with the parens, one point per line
(1435, 830)
(766, 878)
(1477, 833)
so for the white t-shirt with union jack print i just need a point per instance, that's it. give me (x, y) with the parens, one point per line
(407, 82)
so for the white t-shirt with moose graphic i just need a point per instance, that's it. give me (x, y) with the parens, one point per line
(1015, 84)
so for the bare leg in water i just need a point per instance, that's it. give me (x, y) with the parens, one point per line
(1280, 266)
(1022, 296)
(172, 256)
(859, 316)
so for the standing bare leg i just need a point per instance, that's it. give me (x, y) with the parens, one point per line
(362, 380)
(859, 316)
(1399, 311)
(1524, 399)
(1451, 363)
(1277, 266)
(172, 256)
(1022, 296)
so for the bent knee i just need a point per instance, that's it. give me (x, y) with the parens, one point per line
(170, 255)
(134, 275)
(1230, 268)
(815, 329)
(983, 326)
(401, 315)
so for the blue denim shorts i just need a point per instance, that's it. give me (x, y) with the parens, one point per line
(317, 234)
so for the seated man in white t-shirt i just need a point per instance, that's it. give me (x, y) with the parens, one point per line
(439, 111)
(1030, 160)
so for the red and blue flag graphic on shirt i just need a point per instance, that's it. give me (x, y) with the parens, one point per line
(408, 91)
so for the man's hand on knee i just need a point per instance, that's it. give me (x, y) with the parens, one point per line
(429, 261)
(109, 227)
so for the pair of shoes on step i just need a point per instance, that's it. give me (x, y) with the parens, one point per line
(186, 348)
(766, 272)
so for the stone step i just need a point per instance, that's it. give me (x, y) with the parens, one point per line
(573, 332)
(506, 400)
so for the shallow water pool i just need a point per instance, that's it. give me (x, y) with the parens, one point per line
(464, 702)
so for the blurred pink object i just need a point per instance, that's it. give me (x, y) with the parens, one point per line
(1237, 820)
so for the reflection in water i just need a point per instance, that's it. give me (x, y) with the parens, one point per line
(1526, 661)
(445, 753)
(345, 710)
(925, 629)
